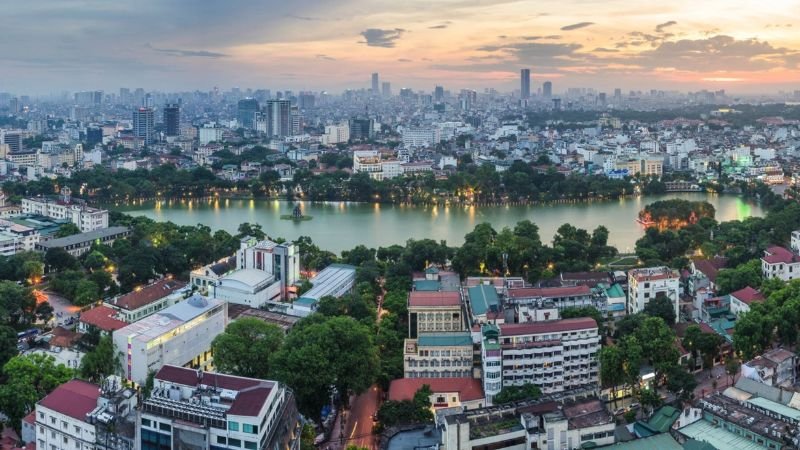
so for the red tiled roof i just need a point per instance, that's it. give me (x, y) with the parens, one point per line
(710, 267)
(148, 294)
(748, 295)
(550, 292)
(75, 398)
(775, 255)
(30, 418)
(519, 329)
(63, 337)
(425, 298)
(103, 318)
(468, 388)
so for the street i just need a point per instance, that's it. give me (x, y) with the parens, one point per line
(705, 384)
(62, 308)
(358, 423)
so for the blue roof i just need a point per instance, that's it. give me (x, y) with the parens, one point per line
(483, 298)
(427, 285)
(444, 339)
(616, 307)
(305, 301)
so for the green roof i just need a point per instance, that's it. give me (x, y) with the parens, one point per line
(444, 339)
(663, 419)
(658, 442)
(615, 291)
(305, 301)
(426, 285)
(718, 436)
(775, 407)
(432, 269)
(693, 444)
(643, 430)
(483, 298)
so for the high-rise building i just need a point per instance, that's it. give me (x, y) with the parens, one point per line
(375, 84)
(362, 129)
(278, 118)
(601, 98)
(14, 142)
(386, 89)
(406, 94)
(246, 112)
(617, 94)
(94, 136)
(143, 124)
(438, 93)
(13, 105)
(172, 119)
(296, 119)
(547, 89)
(525, 83)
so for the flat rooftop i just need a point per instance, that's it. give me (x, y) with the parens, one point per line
(718, 437)
(555, 326)
(329, 280)
(434, 299)
(84, 237)
(166, 320)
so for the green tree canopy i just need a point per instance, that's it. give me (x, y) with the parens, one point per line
(101, 361)
(29, 378)
(246, 348)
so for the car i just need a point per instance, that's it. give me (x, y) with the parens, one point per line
(634, 406)
(619, 411)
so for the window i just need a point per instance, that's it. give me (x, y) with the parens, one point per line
(250, 445)
(233, 426)
(247, 428)
(234, 442)
(164, 427)
(145, 422)
(221, 440)
(77, 429)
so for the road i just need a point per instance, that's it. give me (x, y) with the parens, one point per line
(62, 308)
(705, 383)
(358, 423)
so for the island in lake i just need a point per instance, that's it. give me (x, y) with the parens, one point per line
(675, 213)
(297, 214)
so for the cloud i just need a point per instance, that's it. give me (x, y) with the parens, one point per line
(403, 60)
(539, 38)
(376, 37)
(549, 56)
(441, 26)
(660, 27)
(576, 26)
(187, 53)
(605, 50)
(326, 57)
(306, 18)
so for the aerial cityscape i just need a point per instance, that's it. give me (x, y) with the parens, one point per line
(370, 225)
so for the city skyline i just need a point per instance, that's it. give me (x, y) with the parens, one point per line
(311, 45)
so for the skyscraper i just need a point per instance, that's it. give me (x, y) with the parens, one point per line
(246, 112)
(525, 83)
(143, 122)
(172, 119)
(361, 129)
(375, 84)
(547, 89)
(386, 90)
(278, 120)
(438, 94)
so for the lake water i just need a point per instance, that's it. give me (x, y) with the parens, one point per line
(338, 226)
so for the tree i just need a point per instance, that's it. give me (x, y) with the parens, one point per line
(101, 361)
(407, 412)
(8, 344)
(681, 383)
(321, 353)
(29, 378)
(516, 393)
(86, 292)
(732, 366)
(612, 369)
(67, 229)
(94, 261)
(662, 307)
(246, 347)
(58, 259)
(747, 274)
(650, 400)
(33, 270)
(17, 303)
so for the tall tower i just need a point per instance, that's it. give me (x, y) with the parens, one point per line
(143, 119)
(547, 89)
(278, 120)
(375, 84)
(525, 83)
(246, 112)
(172, 119)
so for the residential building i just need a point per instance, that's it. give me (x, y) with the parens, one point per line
(335, 280)
(336, 134)
(649, 283)
(421, 137)
(147, 300)
(446, 392)
(743, 298)
(430, 312)
(144, 125)
(780, 263)
(525, 83)
(525, 300)
(554, 355)
(101, 318)
(179, 335)
(278, 118)
(209, 133)
(246, 110)
(78, 244)
(9, 244)
(85, 217)
(172, 119)
(439, 355)
(192, 409)
(484, 304)
(81, 415)
(777, 367)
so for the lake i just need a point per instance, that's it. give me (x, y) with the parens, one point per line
(338, 226)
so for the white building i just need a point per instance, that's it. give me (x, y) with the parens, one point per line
(148, 300)
(85, 217)
(335, 280)
(780, 263)
(195, 410)
(336, 134)
(438, 355)
(649, 283)
(743, 298)
(208, 134)
(179, 335)
(421, 137)
(251, 287)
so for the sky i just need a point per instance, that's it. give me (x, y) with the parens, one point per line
(745, 46)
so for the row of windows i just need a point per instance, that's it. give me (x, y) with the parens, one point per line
(443, 363)
(445, 353)
(232, 442)
(154, 424)
(246, 427)
(441, 374)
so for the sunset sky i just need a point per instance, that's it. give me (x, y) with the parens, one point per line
(741, 46)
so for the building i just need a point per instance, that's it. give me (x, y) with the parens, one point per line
(336, 134)
(484, 303)
(439, 355)
(547, 89)
(525, 83)
(375, 84)
(361, 129)
(780, 263)
(386, 89)
(421, 137)
(335, 280)
(649, 283)
(777, 367)
(172, 119)
(554, 355)
(179, 335)
(743, 298)
(280, 260)
(78, 244)
(191, 409)
(211, 274)
(101, 318)
(13, 141)
(447, 392)
(430, 312)
(144, 125)
(278, 118)
(246, 110)
(526, 300)
(148, 300)
(86, 218)
(209, 133)
(81, 415)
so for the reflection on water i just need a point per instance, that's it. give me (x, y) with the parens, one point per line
(338, 226)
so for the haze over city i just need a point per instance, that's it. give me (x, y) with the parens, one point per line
(744, 47)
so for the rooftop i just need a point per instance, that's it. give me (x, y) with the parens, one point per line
(742, 416)
(776, 255)
(103, 318)
(330, 279)
(653, 274)
(427, 285)
(248, 277)
(168, 319)
(748, 295)
(421, 298)
(550, 292)
(587, 413)
(445, 339)
(148, 294)
(468, 388)
(718, 436)
(85, 237)
(483, 298)
(75, 398)
(555, 326)
(657, 442)
(710, 267)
